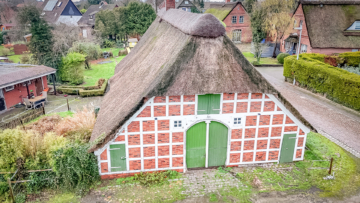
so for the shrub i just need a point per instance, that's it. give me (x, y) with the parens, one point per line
(5, 52)
(78, 127)
(108, 43)
(352, 69)
(123, 52)
(94, 92)
(256, 63)
(281, 57)
(82, 11)
(11, 148)
(72, 68)
(351, 58)
(24, 59)
(83, 171)
(339, 85)
(44, 125)
(91, 50)
(1, 38)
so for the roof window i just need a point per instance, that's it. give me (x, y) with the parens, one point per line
(355, 26)
(59, 4)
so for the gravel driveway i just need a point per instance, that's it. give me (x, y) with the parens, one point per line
(340, 124)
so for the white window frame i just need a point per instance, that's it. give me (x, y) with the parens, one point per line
(303, 48)
(59, 4)
(357, 26)
(241, 19)
(177, 123)
(294, 23)
(236, 119)
(234, 19)
(186, 2)
(9, 88)
(28, 82)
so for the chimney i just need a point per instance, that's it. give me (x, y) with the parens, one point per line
(169, 4)
(228, 1)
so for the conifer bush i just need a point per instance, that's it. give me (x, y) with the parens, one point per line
(72, 68)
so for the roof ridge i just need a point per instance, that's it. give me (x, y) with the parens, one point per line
(203, 25)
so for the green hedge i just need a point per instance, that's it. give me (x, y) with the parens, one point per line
(351, 58)
(281, 57)
(84, 91)
(339, 85)
(94, 92)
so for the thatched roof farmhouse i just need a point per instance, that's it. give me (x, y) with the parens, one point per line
(184, 74)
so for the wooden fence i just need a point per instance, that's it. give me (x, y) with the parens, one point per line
(26, 117)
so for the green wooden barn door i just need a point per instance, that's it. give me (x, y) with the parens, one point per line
(117, 157)
(218, 139)
(196, 146)
(287, 148)
(209, 104)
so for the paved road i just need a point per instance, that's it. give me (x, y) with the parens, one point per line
(340, 124)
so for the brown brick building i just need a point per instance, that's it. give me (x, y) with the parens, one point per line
(181, 109)
(236, 19)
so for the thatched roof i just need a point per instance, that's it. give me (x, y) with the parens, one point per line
(175, 57)
(326, 23)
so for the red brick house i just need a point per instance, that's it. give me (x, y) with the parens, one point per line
(327, 27)
(6, 26)
(18, 80)
(236, 19)
(181, 109)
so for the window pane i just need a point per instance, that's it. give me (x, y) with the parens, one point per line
(241, 19)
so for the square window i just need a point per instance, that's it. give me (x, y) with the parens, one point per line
(186, 2)
(237, 121)
(357, 25)
(9, 88)
(28, 82)
(241, 19)
(233, 19)
(177, 124)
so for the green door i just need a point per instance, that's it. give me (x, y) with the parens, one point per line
(209, 104)
(117, 157)
(218, 139)
(196, 146)
(287, 148)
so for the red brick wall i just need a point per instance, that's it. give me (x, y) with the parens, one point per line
(154, 144)
(246, 34)
(170, 4)
(20, 49)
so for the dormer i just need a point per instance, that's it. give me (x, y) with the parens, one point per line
(353, 30)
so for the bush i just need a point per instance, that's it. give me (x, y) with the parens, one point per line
(351, 58)
(5, 52)
(352, 69)
(123, 52)
(281, 57)
(339, 85)
(72, 68)
(108, 43)
(255, 63)
(1, 38)
(82, 11)
(91, 50)
(95, 92)
(24, 59)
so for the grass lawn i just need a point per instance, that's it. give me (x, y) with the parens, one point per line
(100, 71)
(15, 58)
(61, 114)
(250, 57)
(115, 51)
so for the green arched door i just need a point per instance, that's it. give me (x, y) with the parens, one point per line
(196, 146)
(218, 139)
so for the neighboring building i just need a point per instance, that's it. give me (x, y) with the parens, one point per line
(236, 19)
(87, 21)
(185, 97)
(327, 27)
(60, 11)
(184, 5)
(132, 42)
(17, 80)
(6, 26)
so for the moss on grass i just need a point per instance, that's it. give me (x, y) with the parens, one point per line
(218, 13)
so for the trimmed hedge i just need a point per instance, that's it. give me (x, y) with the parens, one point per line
(339, 85)
(85, 91)
(94, 92)
(351, 58)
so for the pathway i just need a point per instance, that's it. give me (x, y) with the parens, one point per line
(338, 123)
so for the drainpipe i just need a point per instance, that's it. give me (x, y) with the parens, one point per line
(53, 77)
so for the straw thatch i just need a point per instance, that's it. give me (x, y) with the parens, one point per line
(168, 61)
(326, 23)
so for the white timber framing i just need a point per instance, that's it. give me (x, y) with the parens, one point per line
(189, 120)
